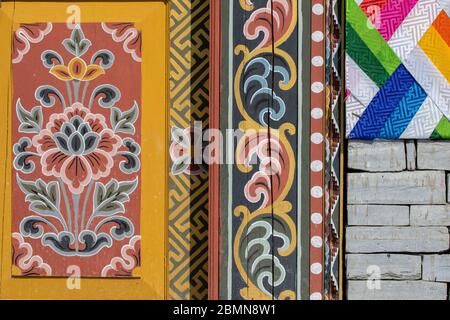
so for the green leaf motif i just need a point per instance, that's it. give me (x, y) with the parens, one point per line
(44, 198)
(77, 45)
(30, 121)
(109, 199)
(124, 121)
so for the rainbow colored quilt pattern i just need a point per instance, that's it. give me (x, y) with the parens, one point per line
(397, 69)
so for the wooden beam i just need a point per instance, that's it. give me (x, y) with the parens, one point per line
(214, 169)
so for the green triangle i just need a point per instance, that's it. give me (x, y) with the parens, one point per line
(442, 130)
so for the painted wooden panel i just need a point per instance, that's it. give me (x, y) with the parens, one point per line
(279, 217)
(317, 155)
(78, 160)
(188, 184)
(260, 212)
(76, 175)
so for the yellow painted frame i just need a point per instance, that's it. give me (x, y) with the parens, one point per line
(153, 274)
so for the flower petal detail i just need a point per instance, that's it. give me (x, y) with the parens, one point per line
(93, 71)
(56, 121)
(52, 162)
(109, 142)
(96, 121)
(77, 109)
(101, 164)
(77, 68)
(76, 173)
(44, 141)
(61, 72)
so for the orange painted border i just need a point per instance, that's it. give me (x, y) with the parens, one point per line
(152, 281)
(317, 156)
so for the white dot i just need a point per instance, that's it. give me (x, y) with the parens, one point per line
(317, 9)
(316, 166)
(317, 87)
(317, 61)
(316, 242)
(316, 296)
(316, 218)
(317, 192)
(317, 138)
(317, 36)
(317, 113)
(316, 268)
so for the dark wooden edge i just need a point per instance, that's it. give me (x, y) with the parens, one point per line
(344, 144)
(214, 169)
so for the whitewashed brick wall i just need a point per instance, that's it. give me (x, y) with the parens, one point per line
(398, 218)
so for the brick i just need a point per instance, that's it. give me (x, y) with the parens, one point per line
(364, 215)
(414, 187)
(436, 268)
(387, 266)
(376, 156)
(397, 290)
(397, 239)
(411, 155)
(433, 155)
(448, 188)
(430, 215)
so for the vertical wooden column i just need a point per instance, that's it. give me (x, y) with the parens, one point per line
(317, 148)
(258, 248)
(333, 181)
(214, 168)
(188, 190)
(267, 41)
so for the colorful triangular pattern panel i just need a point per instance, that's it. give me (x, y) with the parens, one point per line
(397, 70)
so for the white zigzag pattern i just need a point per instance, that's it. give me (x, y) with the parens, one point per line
(354, 109)
(431, 80)
(358, 83)
(445, 4)
(404, 42)
(413, 27)
(424, 122)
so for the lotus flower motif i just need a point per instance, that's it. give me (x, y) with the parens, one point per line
(77, 146)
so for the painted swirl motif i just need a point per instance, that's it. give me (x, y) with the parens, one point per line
(127, 34)
(266, 235)
(27, 34)
(271, 178)
(257, 88)
(260, 22)
(129, 260)
(76, 156)
(25, 261)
